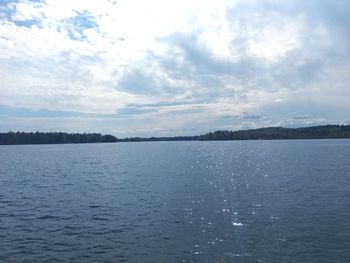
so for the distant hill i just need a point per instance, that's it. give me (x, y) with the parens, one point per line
(276, 133)
(270, 133)
(53, 138)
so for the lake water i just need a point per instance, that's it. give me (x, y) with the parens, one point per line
(229, 201)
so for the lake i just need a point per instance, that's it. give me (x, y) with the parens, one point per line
(216, 201)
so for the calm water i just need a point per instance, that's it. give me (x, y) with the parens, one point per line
(250, 201)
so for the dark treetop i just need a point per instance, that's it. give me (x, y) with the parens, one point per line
(53, 138)
(275, 133)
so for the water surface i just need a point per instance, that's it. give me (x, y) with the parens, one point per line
(231, 201)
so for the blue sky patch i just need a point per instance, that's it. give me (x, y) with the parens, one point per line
(77, 24)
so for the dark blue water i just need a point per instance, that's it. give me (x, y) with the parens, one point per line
(250, 201)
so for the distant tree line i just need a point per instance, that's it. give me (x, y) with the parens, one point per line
(275, 133)
(158, 139)
(53, 138)
(271, 133)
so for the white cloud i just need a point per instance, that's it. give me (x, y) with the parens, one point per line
(274, 42)
(207, 58)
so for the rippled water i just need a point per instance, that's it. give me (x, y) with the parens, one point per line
(250, 201)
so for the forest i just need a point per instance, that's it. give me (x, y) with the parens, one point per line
(279, 133)
(270, 133)
(53, 138)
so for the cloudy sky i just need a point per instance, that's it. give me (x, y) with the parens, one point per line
(159, 67)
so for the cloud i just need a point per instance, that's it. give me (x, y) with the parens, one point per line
(171, 66)
(253, 116)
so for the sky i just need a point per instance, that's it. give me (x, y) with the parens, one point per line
(165, 68)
